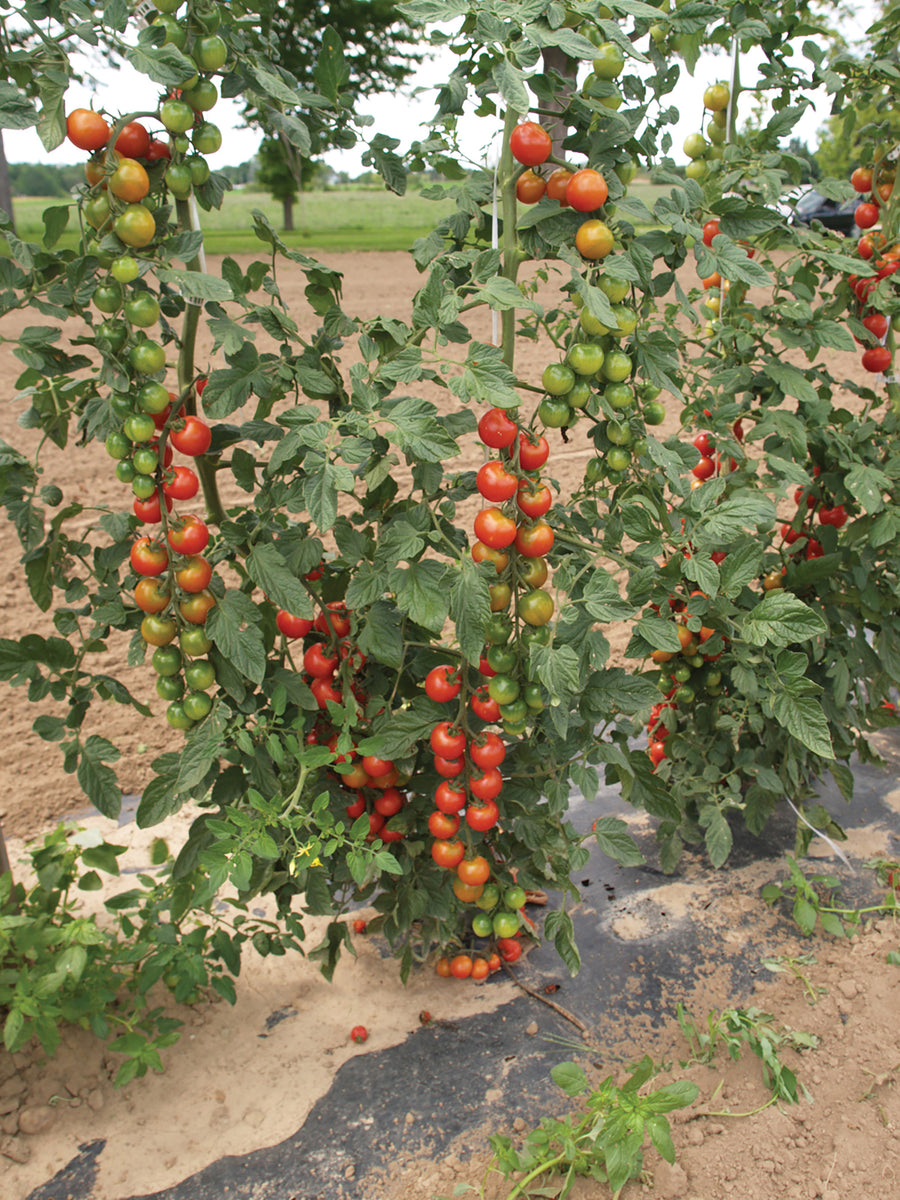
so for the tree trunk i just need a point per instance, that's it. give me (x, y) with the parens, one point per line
(556, 60)
(287, 220)
(7, 205)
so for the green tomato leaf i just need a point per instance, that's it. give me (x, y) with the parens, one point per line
(614, 839)
(781, 618)
(97, 780)
(803, 718)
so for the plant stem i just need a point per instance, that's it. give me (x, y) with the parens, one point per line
(215, 512)
(511, 254)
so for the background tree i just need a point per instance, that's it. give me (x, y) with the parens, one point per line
(378, 55)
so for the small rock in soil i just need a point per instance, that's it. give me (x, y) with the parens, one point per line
(15, 1149)
(37, 1119)
(531, 1029)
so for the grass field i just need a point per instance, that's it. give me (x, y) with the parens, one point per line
(352, 218)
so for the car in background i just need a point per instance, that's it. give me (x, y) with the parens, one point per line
(833, 214)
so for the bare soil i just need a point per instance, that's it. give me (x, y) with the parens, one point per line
(234, 1084)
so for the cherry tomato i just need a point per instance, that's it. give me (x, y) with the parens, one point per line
(447, 740)
(324, 692)
(461, 966)
(129, 181)
(509, 949)
(389, 803)
(532, 453)
(487, 785)
(291, 626)
(483, 553)
(487, 750)
(483, 706)
(704, 469)
(449, 798)
(836, 516)
(157, 630)
(533, 498)
(449, 768)
(535, 607)
(594, 240)
(152, 595)
(866, 215)
(195, 642)
(336, 623)
(533, 571)
(530, 188)
(358, 1033)
(156, 151)
(189, 535)
(195, 608)
(135, 226)
(534, 540)
(474, 871)
(495, 482)
(496, 429)
(447, 854)
(443, 825)
(192, 438)
(557, 184)
(183, 485)
(876, 323)
(529, 142)
(482, 817)
(876, 359)
(442, 684)
(586, 190)
(494, 528)
(86, 129)
(148, 557)
(319, 664)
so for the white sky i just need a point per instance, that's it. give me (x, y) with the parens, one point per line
(399, 115)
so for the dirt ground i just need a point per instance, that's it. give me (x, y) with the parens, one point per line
(841, 1146)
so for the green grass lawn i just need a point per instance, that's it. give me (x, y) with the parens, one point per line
(351, 218)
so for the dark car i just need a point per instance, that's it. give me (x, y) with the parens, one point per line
(833, 214)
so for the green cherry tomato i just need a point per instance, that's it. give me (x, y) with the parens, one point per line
(579, 396)
(592, 325)
(558, 379)
(618, 459)
(96, 210)
(207, 138)
(617, 367)
(112, 335)
(176, 115)
(108, 297)
(608, 61)
(614, 289)
(118, 445)
(505, 924)
(535, 608)
(147, 358)
(145, 461)
(497, 629)
(195, 642)
(514, 898)
(176, 33)
(170, 687)
(125, 471)
(208, 19)
(554, 412)
(202, 96)
(502, 659)
(210, 53)
(177, 717)
(515, 713)
(684, 695)
(626, 320)
(489, 897)
(619, 433)
(515, 729)
(532, 696)
(654, 413)
(197, 705)
(179, 180)
(199, 168)
(125, 269)
(153, 398)
(482, 925)
(536, 633)
(503, 689)
(618, 395)
(139, 427)
(142, 310)
(200, 675)
(120, 405)
(135, 226)
(585, 358)
(142, 485)
(166, 660)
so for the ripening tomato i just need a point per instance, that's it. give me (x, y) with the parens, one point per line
(862, 179)
(496, 429)
(129, 182)
(530, 188)
(133, 140)
(442, 684)
(448, 854)
(135, 226)
(557, 183)
(586, 190)
(533, 498)
(189, 535)
(195, 607)
(149, 557)
(494, 528)
(474, 871)
(509, 949)
(483, 553)
(534, 540)
(291, 626)
(535, 607)
(594, 240)
(335, 622)
(495, 482)
(704, 469)
(86, 129)
(152, 595)
(533, 571)
(530, 143)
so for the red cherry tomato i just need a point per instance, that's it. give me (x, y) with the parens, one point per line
(535, 540)
(533, 498)
(496, 429)
(487, 750)
(291, 626)
(193, 438)
(442, 684)
(532, 454)
(149, 557)
(183, 485)
(482, 817)
(495, 529)
(447, 740)
(530, 144)
(319, 664)
(586, 190)
(495, 482)
(189, 535)
(483, 706)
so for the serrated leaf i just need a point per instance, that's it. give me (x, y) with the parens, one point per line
(194, 285)
(866, 485)
(803, 718)
(659, 633)
(269, 571)
(602, 599)
(792, 381)
(718, 837)
(202, 747)
(470, 607)
(781, 618)
(420, 433)
(724, 522)
(614, 840)
(423, 593)
(97, 780)
(501, 293)
(233, 624)
(558, 669)
(331, 71)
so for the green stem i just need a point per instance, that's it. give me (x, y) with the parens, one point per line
(547, 1165)
(512, 256)
(735, 91)
(206, 470)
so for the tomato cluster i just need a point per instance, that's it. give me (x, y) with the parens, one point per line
(700, 149)
(885, 259)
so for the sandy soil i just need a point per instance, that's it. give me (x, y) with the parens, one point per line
(842, 1146)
